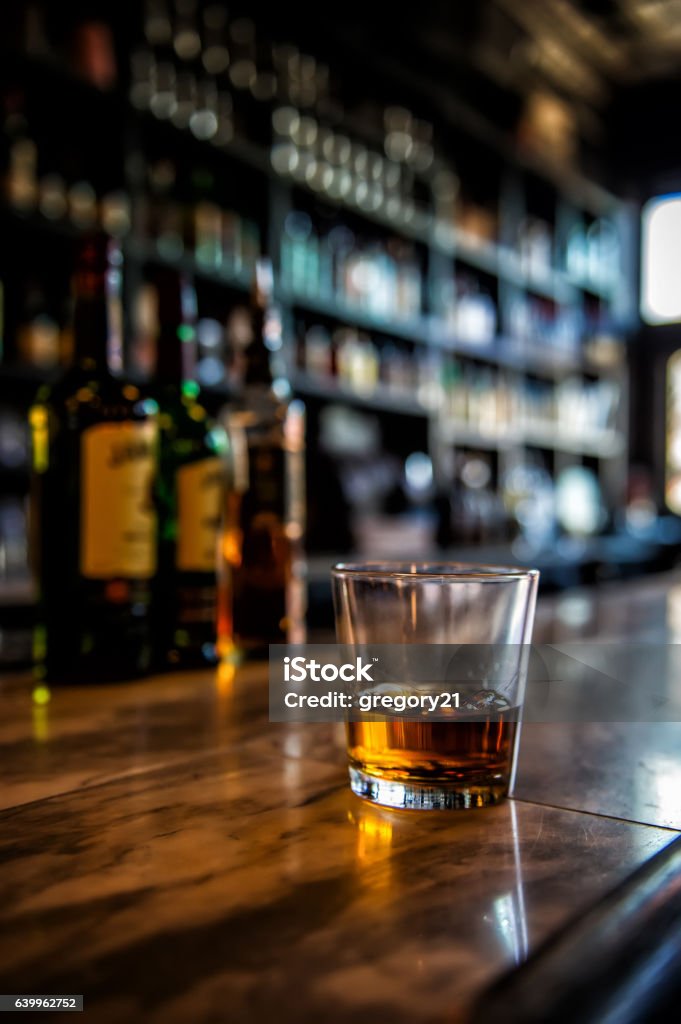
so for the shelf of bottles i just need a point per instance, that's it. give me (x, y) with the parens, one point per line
(492, 311)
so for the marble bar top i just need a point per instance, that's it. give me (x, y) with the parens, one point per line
(174, 857)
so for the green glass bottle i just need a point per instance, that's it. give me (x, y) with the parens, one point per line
(190, 489)
(93, 524)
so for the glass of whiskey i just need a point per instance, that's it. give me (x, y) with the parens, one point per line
(481, 616)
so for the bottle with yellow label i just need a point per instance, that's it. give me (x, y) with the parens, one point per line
(93, 522)
(190, 489)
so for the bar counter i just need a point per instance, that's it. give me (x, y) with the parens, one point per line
(173, 856)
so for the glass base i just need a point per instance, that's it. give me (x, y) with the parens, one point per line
(423, 797)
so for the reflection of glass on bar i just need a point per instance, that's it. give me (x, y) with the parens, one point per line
(465, 762)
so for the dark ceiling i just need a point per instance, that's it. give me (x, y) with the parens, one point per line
(617, 63)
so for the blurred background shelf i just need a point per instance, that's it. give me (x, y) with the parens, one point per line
(416, 331)
(147, 253)
(379, 400)
(439, 257)
(603, 444)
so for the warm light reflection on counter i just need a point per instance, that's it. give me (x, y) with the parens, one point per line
(41, 697)
(509, 910)
(225, 676)
(374, 845)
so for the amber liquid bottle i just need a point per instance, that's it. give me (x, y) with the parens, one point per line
(190, 489)
(93, 523)
(263, 562)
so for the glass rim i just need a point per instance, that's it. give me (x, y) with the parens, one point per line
(450, 571)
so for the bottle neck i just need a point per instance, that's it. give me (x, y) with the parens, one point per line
(176, 355)
(258, 356)
(91, 330)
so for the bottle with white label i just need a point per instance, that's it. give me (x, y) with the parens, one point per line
(190, 489)
(93, 522)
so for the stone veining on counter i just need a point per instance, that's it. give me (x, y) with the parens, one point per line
(175, 857)
(254, 880)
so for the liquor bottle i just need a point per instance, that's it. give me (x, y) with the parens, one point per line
(37, 336)
(93, 522)
(190, 488)
(19, 155)
(263, 565)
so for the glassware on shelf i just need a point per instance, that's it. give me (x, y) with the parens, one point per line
(242, 67)
(208, 234)
(186, 38)
(224, 133)
(477, 224)
(398, 127)
(204, 118)
(251, 248)
(318, 352)
(264, 86)
(52, 201)
(214, 50)
(445, 189)
(115, 214)
(576, 254)
(37, 336)
(158, 29)
(397, 369)
(284, 154)
(535, 248)
(357, 361)
(142, 77)
(534, 323)
(383, 278)
(304, 137)
(319, 173)
(428, 378)
(491, 403)
(163, 101)
(407, 209)
(211, 354)
(284, 60)
(82, 203)
(307, 81)
(528, 496)
(21, 183)
(602, 254)
(298, 258)
(338, 151)
(579, 502)
(232, 241)
(360, 186)
(467, 311)
(185, 99)
(421, 156)
(166, 219)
